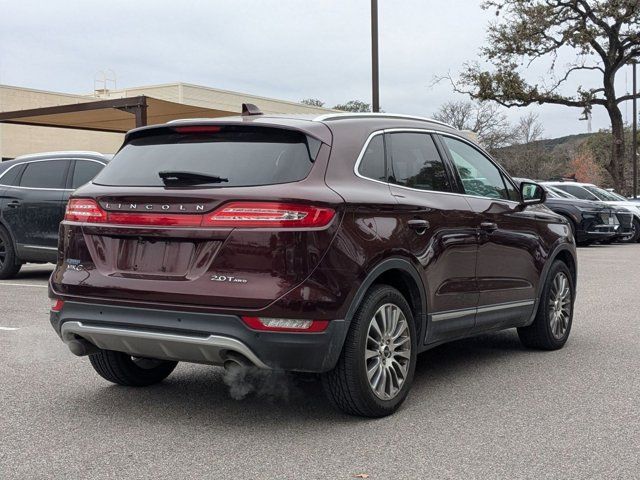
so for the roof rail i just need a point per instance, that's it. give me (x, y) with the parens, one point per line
(60, 152)
(334, 116)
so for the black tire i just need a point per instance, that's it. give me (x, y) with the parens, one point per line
(540, 333)
(122, 369)
(636, 234)
(347, 385)
(9, 262)
(572, 229)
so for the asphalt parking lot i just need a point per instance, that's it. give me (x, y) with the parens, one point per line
(480, 408)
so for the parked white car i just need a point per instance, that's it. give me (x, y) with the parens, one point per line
(588, 191)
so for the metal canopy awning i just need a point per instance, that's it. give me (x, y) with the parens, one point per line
(115, 115)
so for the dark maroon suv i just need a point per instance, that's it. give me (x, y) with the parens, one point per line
(342, 245)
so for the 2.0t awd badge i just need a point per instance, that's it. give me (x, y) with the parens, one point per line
(225, 278)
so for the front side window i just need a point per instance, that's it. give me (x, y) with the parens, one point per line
(480, 177)
(46, 174)
(372, 163)
(10, 177)
(416, 163)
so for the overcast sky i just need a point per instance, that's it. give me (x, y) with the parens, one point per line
(287, 49)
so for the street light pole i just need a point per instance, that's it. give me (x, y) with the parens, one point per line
(375, 84)
(634, 140)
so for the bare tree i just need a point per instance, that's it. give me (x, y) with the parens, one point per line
(529, 129)
(483, 118)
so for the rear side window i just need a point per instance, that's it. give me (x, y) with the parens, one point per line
(416, 163)
(372, 163)
(84, 171)
(45, 174)
(237, 156)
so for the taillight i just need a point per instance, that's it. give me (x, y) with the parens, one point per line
(84, 210)
(231, 215)
(285, 324)
(268, 214)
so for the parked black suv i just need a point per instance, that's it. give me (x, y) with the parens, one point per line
(342, 245)
(34, 190)
(590, 221)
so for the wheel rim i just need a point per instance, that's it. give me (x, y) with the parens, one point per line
(631, 234)
(559, 305)
(3, 252)
(388, 351)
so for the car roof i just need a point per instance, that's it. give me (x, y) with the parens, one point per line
(578, 184)
(317, 126)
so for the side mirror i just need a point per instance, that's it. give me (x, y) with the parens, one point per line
(532, 194)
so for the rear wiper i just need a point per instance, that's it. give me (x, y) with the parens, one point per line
(189, 178)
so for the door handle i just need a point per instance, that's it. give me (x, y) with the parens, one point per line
(419, 225)
(13, 204)
(488, 226)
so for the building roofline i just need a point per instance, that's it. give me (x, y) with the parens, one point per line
(50, 92)
(222, 90)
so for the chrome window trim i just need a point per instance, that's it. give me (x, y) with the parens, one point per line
(335, 116)
(38, 247)
(44, 160)
(450, 314)
(428, 131)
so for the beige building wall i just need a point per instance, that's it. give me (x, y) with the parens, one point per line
(16, 140)
(214, 98)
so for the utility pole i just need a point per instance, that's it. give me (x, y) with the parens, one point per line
(634, 140)
(375, 83)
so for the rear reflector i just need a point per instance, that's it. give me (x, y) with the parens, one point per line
(56, 304)
(285, 324)
(154, 219)
(231, 215)
(269, 214)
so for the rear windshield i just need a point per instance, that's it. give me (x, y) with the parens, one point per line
(240, 156)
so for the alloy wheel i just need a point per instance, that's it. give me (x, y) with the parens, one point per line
(631, 234)
(388, 351)
(559, 305)
(3, 252)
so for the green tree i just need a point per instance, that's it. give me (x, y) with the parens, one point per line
(601, 35)
(354, 106)
(313, 102)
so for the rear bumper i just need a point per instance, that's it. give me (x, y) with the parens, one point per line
(197, 337)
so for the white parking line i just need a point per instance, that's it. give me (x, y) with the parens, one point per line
(23, 285)
(10, 329)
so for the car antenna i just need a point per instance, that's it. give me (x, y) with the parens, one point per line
(250, 109)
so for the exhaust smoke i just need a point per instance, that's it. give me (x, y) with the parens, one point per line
(244, 380)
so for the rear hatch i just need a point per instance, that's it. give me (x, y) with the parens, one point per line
(225, 216)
